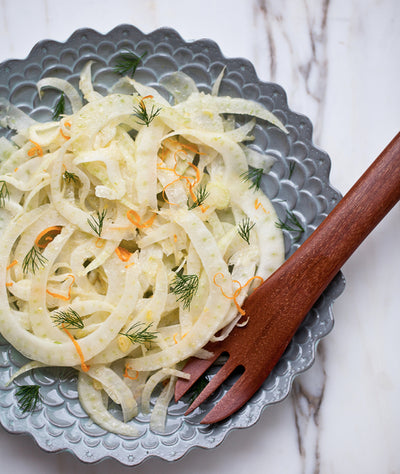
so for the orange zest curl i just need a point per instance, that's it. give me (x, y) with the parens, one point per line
(14, 262)
(47, 235)
(36, 149)
(123, 254)
(100, 243)
(84, 367)
(237, 291)
(63, 297)
(9, 283)
(258, 205)
(134, 217)
(126, 373)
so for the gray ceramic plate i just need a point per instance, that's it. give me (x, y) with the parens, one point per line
(298, 182)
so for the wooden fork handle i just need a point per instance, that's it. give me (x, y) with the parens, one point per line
(298, 283)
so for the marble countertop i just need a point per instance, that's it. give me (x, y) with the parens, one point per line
(338, 61)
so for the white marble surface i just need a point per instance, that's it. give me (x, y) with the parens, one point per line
(339, 63)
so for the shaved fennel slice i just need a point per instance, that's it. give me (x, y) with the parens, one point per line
(64, 86)
(148, 142)
(86, 85)
(159, 413)
(92, 402)
(115, 389)
(12, 117)
(154, 380)
(228, 105)
(180, 85)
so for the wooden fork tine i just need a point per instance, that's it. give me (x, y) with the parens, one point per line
(223, 373)
(196, 368)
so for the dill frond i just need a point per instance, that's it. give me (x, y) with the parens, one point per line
(254, 176)
(143, 115)
(4, 194)
(70, 177)
(197, 388)
(96, 223)
(128, 62)
(292, 224)
(59, 108)
(137, 335)
(68, 319)
(28, 397)
(201, 195)
(33, 261)
(244, 229)
(292, 166)
(185, 287)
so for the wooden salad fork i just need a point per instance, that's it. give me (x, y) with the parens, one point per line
(276, 309)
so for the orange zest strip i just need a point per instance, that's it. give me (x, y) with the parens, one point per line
(129, 264)
(176, 342)
(47, 235)
(175, 238)
(84, 367)
(63, 297)
(100, 243)
(257, 205)
(238, 290)
(63, 135)
(9, 284)
(123, 254)
(36, 149)
(67, 124)
(14, 262)
(126, 374)
(134, 217)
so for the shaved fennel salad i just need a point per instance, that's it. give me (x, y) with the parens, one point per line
(132, 231)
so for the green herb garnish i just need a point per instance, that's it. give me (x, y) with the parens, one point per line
(292, 165)
(33, 261)
(244, 229)
(70, 177)
(128, 62)
(28, 397)
(185, 287)
(137, 335)
(197, 388)
(68, 319)
(292, 224)
(96, 223)
(143, 115)
(254, 176)
(4, 194)
(201, 195)
(59, 107)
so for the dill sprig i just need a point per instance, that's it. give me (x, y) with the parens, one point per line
(292, 224)
(291, 168)
(137, 335)
(128, 62)
(28, 397)
(197, 388)
(4, 194)
(70, 177)
(185, 287)
(143, 115)
(244, 229)
(59, 107)
(96, 223)
(33, 261)
(201, 195)
(254, 176)
(68, 319)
